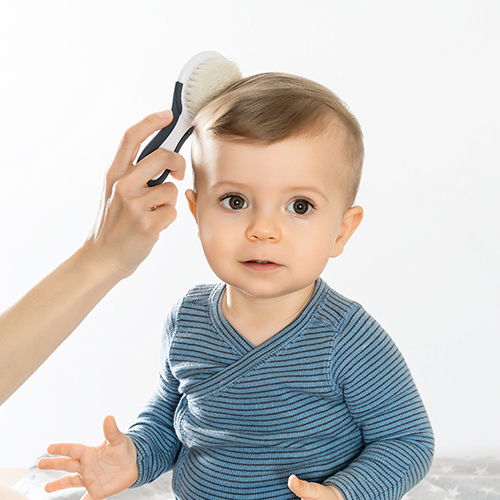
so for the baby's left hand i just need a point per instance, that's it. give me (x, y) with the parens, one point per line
(313, 491)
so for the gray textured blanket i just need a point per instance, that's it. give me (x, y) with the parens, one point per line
(448, 479)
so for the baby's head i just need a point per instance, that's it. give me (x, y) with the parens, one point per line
(277, 162)
(270, 107)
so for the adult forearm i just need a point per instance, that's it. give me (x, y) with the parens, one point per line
(130, 221)
(36, 325)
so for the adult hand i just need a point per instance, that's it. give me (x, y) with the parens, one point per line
(131, 218)
(313, 491)
(132, 215)
(103, 470)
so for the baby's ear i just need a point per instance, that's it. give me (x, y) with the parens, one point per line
(352, 219)
(192, 198)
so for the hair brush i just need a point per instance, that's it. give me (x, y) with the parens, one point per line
(202, 79)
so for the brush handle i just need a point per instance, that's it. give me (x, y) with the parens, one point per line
(171, 137)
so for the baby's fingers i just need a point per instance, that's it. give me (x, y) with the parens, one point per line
(59, 463)
(67, 459)
(88, 496)
(72, 450)
(65, 482)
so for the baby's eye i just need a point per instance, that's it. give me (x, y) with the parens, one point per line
(234, 202)
(300, 207)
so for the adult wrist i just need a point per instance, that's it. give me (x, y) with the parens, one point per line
(97, 263)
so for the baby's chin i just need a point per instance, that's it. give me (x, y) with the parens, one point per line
(276, 292)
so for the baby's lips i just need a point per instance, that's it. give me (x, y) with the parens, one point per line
(261, 265)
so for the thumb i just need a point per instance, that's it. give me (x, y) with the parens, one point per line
(303, 489)
(111, 432)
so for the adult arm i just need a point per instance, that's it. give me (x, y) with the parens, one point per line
(129, 223)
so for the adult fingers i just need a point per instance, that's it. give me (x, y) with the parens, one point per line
(134, 183)
(156, 163)
(161, 195)
(166, 215)
(137, 134)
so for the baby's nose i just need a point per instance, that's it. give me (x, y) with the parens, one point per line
(264, 228)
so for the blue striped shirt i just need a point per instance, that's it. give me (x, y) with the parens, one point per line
(328, 398)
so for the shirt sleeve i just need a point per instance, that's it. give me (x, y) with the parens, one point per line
(382, 399)
(153, 433)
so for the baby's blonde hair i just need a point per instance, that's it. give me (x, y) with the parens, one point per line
(270, 107)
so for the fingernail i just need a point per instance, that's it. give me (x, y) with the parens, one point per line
(164, 114)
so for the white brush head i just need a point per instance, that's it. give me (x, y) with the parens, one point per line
(205, 77)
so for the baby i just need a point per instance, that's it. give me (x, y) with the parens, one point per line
(270, 375)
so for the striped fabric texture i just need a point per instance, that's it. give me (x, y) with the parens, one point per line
(329, 398)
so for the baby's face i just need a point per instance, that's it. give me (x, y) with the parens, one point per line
(269, 215)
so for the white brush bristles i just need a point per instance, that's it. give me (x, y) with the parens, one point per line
(208, 80)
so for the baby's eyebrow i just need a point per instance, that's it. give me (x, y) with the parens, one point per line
(288, 189)
(305, 189)
(227, 185)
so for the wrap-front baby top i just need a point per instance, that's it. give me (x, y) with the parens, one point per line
(329, 398)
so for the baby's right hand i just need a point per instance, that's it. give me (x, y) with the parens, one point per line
(132, 215)
(103, 470)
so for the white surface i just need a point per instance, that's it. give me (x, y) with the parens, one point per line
(423, 79)
(33, 483)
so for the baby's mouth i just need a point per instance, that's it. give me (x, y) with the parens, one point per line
(261, 265)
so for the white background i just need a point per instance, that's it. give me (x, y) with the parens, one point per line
(422, 77)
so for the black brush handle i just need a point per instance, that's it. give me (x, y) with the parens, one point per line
(163, 134)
